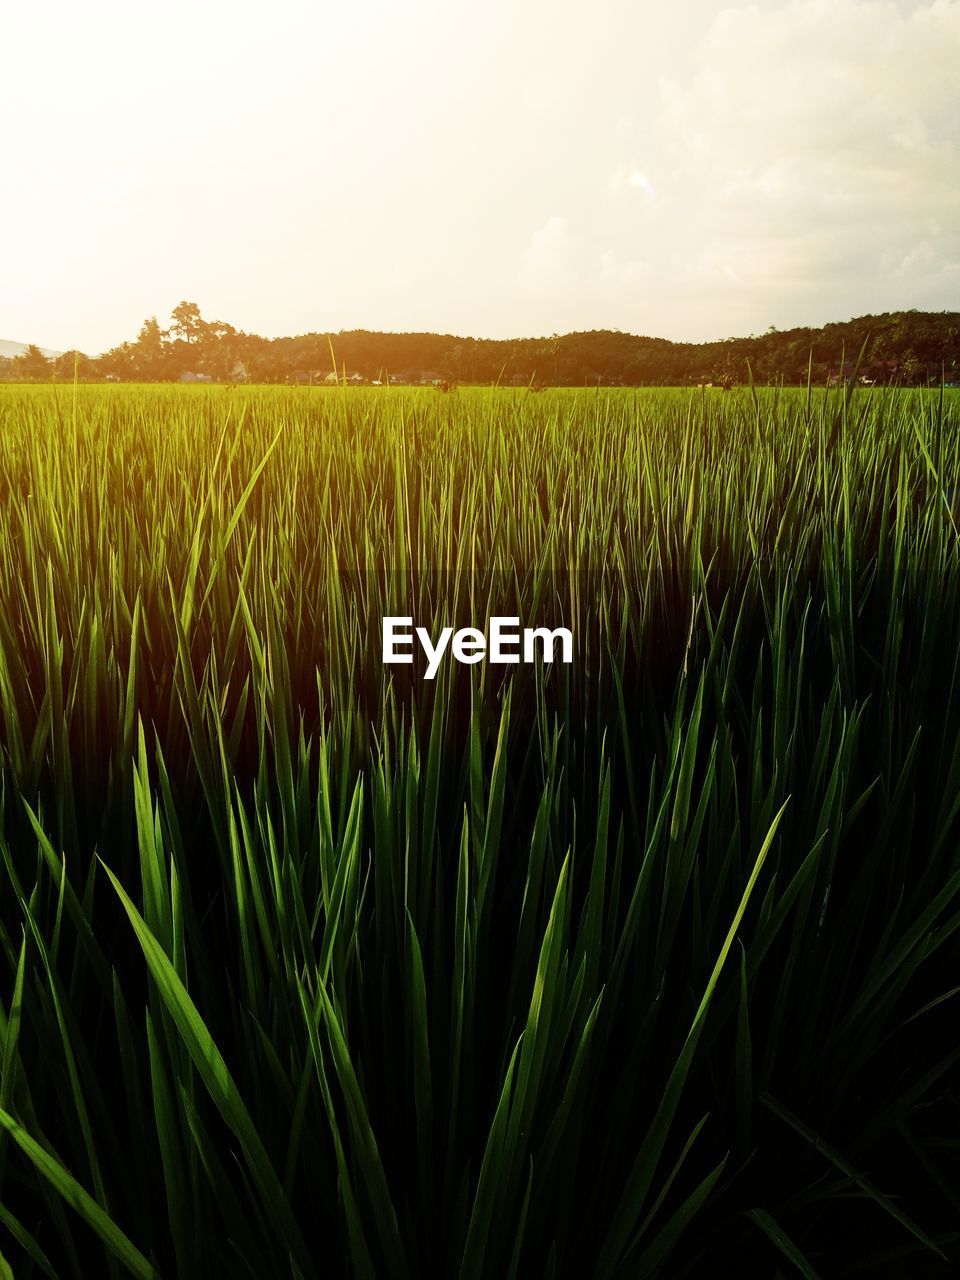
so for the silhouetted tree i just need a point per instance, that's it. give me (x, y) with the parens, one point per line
(32, 365)
(151, 350)
(187, 321)
(73, 363)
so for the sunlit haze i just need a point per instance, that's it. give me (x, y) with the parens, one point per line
(494, 169)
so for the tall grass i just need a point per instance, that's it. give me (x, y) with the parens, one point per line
(642, 966)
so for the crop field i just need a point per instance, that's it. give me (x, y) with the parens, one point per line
(644, 965)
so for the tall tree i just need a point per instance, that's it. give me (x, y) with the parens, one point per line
(150, 351)
(187, 321)
(32, 364)
(70, 363)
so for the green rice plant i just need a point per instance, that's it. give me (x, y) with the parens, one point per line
(645, 965)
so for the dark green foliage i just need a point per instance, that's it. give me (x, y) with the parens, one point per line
(643, 966)
(902, 348)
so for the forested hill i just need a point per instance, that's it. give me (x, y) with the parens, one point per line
(908, 347)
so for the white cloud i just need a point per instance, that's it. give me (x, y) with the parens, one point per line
(688, 170)
(803, 164)
(813, 153)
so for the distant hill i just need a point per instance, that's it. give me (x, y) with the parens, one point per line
(903, 347)
(8, 350)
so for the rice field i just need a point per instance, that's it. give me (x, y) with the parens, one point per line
(646, 965)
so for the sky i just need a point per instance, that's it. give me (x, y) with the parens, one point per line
(510, 168)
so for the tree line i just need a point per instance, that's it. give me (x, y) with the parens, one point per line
(905, 347)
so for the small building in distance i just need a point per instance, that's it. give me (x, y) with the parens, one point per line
(189, 376)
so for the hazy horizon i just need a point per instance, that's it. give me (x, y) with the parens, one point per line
(523, 170)
(468, 337)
